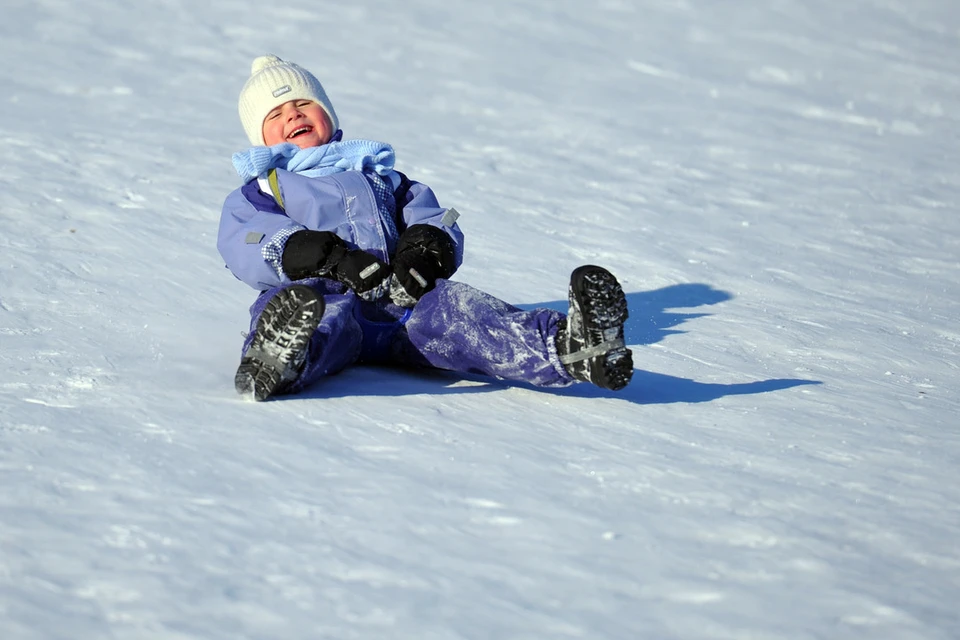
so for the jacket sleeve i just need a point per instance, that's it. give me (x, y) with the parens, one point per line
(244, 232)
(419, 206)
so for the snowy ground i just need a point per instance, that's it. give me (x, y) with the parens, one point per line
(776, 184)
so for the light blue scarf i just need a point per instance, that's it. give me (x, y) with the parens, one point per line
(313, 162)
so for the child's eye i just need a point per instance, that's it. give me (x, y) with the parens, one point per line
(273, 115)
(303, 103)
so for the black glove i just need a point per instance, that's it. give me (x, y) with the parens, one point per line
(424, 254)
(310, 253)
(363, 272)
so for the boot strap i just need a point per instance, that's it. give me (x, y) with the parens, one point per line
(592, 352)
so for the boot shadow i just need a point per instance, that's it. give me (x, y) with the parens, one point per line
(648, 387)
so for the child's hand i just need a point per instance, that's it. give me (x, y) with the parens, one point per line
(363, 272)
(309, 253)
(424, 254)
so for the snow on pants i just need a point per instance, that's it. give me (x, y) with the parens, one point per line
(453, 327)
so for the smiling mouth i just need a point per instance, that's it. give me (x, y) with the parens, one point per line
(299, 132)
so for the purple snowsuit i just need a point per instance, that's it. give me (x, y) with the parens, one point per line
(453, 327)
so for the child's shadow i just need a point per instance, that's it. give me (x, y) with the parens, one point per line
(649, 323)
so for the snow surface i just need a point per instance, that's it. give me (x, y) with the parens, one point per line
(774, 181)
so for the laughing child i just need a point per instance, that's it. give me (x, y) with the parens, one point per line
(352, 260)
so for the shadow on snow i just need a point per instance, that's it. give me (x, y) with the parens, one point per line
(649, 323)
(651, 320)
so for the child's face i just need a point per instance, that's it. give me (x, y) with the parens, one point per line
(302, 122)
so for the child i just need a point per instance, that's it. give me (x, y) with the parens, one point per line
(352, 259)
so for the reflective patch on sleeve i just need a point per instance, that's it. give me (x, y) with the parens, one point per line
(254, 238)
(450, 217)
(369, 271)
(419, 278)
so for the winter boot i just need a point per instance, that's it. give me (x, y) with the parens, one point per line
(590, 340)
(280, 342)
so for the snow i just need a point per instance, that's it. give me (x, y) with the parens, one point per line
(773, 181)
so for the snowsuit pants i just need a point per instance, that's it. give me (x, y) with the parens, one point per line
(454, 327)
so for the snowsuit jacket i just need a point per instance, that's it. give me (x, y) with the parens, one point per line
(453, 327)
(350, 203)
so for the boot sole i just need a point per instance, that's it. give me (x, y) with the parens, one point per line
(283, 331)
(603, 306)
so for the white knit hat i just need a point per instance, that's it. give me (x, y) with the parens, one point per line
(273, 82)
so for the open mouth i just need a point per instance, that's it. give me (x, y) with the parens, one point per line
(299, 132)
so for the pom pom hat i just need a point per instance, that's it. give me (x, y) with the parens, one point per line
(273, 82)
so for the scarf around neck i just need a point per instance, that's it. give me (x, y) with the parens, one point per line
(314, 162)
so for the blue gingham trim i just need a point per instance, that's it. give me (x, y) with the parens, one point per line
(387, 206)
(272, 252)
